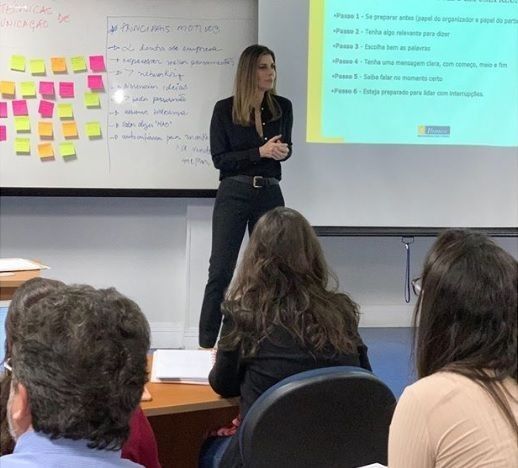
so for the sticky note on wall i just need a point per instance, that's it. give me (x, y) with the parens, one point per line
(46, 109)
(28, 88)
(20, 107)
(78, 63)
(3, 110)
(22, 124)
(45, 129)
(3, 133)
(92, 100)
(65, 111)
(7, 88)
(47, 88)
(67, 149)
(69, 129)
(93, 129)
(58, 64)
(18, 63)
(97, 63)
(22, 145)
(37, 66)
(66, 89)
(95, 82)
(45, 150)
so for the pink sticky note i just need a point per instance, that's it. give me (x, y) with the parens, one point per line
(95, 82)
(97, 63)
(47, 88)
(3, 133)
(66, 89)
(46, 108)
(3, 109)
(20, 107)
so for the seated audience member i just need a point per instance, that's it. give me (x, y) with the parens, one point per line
(78, 367)
(463, 411)
(281, 317)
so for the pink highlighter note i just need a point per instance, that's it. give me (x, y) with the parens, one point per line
(3, 109)
(47, 88)
(97, 63)
(20, 107)
(95, 82)
(3, 133)
(46, 108)
(66, 89)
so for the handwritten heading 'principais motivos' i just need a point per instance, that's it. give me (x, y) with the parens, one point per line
(157, 71)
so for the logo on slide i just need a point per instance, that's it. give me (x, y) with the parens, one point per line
(433, 130)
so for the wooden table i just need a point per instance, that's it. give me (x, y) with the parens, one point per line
(181, 415)
(9, 283)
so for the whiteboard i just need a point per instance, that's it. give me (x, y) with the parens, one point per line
(166, 64)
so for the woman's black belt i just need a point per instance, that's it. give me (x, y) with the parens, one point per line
(255, 181)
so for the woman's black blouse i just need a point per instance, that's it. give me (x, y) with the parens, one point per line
(235, 149)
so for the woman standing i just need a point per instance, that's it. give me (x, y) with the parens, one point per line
(250, 133)
(463, 411)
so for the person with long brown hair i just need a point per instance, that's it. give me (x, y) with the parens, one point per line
(282, 315)
(250, 134)
(463, 411)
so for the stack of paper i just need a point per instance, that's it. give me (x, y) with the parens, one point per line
(20, 264)
(182, 366)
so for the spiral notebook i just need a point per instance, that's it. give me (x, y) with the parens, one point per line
(182, 366)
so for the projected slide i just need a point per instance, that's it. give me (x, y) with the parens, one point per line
(439, 72)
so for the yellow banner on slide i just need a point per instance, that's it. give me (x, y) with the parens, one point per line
(315, 64)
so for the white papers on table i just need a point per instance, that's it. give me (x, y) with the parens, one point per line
(182, 366)
(20, 264)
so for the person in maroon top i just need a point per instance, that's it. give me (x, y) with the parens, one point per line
(141, 445)
(250, 135)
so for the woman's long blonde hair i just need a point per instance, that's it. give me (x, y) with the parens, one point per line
(245, 87)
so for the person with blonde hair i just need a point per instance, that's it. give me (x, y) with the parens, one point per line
(282, 316)
(463, 410)
(250, 134)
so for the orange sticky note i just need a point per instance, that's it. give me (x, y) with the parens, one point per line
(59, 65)
(69, 129)
(45, 129)
(7, 87)
(45, 150)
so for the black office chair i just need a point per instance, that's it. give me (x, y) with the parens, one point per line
(329, 417)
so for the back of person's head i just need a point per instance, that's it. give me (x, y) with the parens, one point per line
(283, 280)
(80, 353)
(25, 296)
(466, 312)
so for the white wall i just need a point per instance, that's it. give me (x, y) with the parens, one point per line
(156, 251)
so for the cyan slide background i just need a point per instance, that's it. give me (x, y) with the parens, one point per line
(491, 120)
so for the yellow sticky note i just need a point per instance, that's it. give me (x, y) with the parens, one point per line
(22, 124)
(37, 66)
(59, 65)
(28, 88)
(67, 149)
(78, 63)
(92, 100)
(69, 129)
(18, 63)
(7, 87)
(65, 111)
(45, 150)
(22, 145)
(93, 129)
(45, 129)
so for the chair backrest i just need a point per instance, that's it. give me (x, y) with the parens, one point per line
(329, 417)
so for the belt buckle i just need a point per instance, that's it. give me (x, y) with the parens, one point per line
(255, 184)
